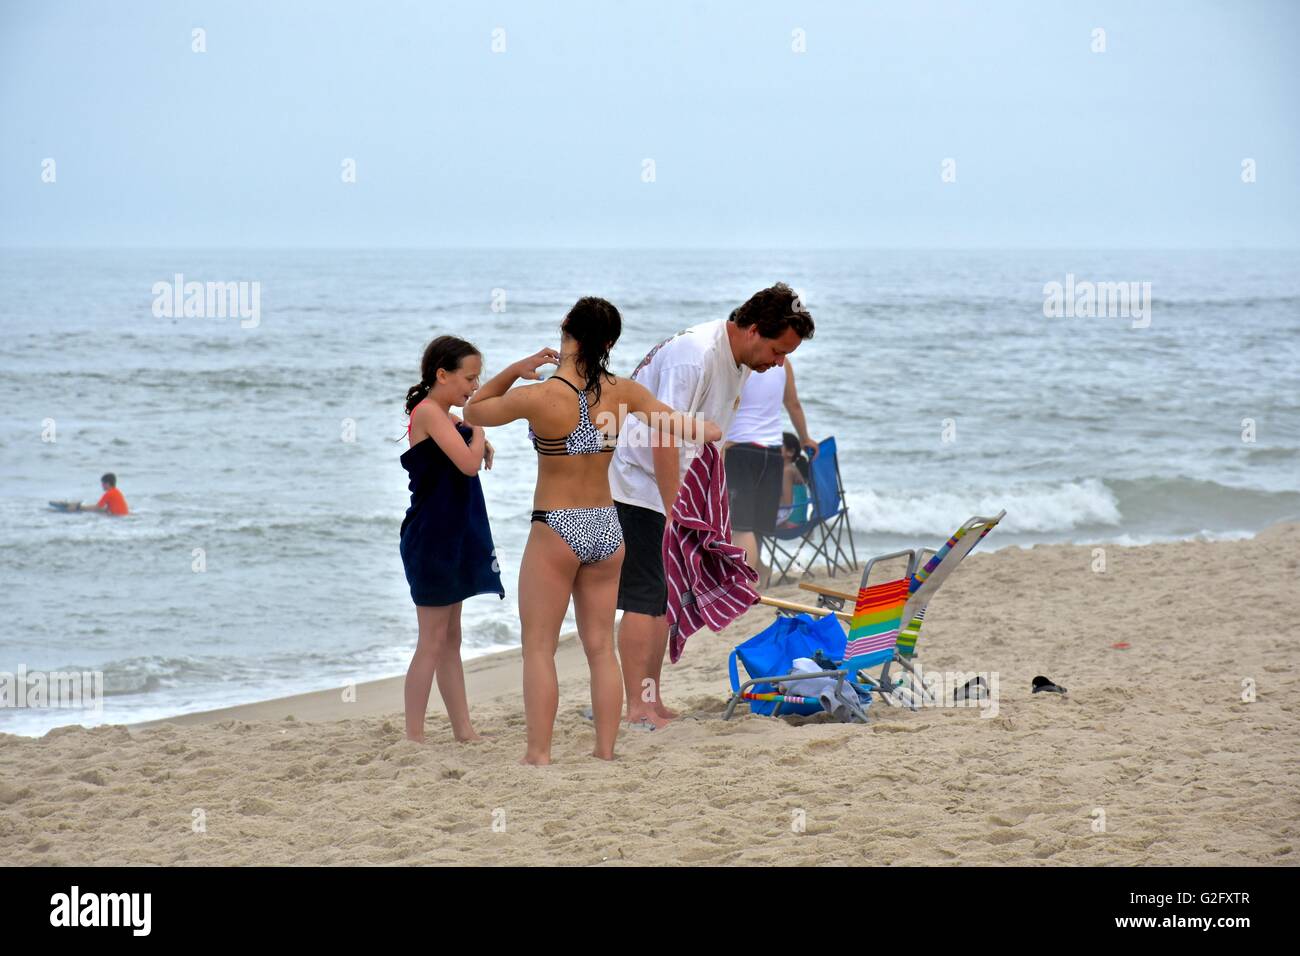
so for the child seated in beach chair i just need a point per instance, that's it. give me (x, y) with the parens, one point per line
(793, 510)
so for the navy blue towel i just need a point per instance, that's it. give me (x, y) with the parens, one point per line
(446, 540)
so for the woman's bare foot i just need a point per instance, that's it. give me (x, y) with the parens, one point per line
(415, 740)
(600, 756)
(664, 712)
(538, 760)
(474, 737)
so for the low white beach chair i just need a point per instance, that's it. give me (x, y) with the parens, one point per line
(875, 631)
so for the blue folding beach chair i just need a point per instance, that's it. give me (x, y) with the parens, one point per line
(826, 528)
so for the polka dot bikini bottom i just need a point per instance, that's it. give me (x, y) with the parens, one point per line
(593, 534)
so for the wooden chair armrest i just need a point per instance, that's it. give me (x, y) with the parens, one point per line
(829, 592)
(803, 608)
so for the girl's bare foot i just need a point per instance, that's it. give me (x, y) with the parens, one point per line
(414, 739)
(474, 737)
(665, 713)
(540, 760)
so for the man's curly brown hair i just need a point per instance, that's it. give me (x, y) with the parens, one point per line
(773, 310)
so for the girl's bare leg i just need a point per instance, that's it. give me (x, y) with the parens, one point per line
(434, 626)
(545, 583)
(595, 594)
(451, 682)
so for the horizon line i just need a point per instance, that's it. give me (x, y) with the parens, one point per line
(281, 247)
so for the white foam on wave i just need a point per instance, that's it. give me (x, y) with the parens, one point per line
(1037, 508)
(1141, 540)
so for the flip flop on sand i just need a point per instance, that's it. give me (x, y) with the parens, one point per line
(1045, 685)
(975, 689)
(641, 724)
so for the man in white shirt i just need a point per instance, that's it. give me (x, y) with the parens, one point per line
(701, 371)
(755, 453)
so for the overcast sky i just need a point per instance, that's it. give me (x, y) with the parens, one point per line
(752, 142)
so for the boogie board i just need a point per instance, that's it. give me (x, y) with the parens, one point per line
(68, 507)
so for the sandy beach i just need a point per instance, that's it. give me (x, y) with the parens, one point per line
(1153, 757)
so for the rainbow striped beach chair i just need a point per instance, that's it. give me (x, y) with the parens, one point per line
(873, 635)
(878, 636)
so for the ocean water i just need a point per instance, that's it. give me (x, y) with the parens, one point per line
(949, 391)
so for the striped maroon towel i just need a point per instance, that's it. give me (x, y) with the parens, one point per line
(708, 579)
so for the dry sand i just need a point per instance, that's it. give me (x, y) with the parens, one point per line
(1157, 738)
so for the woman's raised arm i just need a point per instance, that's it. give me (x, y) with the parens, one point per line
(666, 420)
(495, 403)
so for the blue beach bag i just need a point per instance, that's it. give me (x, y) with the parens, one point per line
(773, 651)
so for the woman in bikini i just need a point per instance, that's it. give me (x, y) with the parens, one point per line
(575, 547)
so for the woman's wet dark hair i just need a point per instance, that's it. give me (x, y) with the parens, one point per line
(595, 325)
(445, 352)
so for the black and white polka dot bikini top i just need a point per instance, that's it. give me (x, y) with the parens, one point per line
(585, 439)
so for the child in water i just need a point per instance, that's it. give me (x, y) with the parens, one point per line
(111, 502)
(447, 548)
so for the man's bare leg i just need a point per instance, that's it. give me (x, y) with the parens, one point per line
(749, 541)
(642, 640)
(657, 667)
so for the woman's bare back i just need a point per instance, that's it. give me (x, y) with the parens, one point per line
(575, 481)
